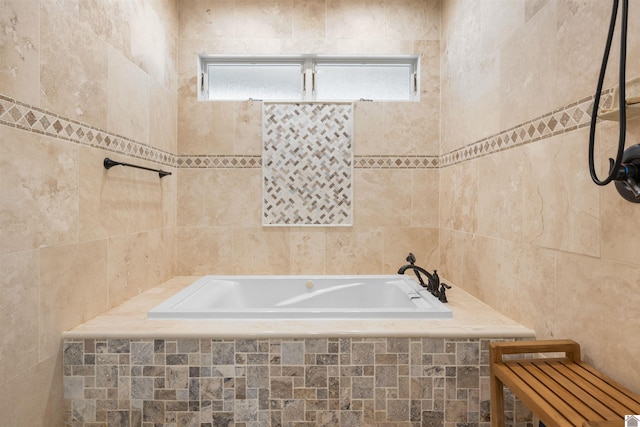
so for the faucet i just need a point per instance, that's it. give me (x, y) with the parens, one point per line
(433, 284)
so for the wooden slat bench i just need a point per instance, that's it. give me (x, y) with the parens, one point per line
(560, 391)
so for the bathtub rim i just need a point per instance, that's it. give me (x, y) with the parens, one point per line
(472, 319)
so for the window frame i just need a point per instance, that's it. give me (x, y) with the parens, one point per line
(308, 64)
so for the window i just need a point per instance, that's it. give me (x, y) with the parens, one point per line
(244, 80)
(380, 81)
(309, 78)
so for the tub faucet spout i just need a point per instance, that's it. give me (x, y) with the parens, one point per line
(433, 285)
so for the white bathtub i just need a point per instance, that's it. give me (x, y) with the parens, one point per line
(302, 297)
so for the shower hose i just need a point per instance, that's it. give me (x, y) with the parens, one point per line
(615, 166)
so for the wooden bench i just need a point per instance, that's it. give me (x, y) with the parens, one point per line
(560, 391)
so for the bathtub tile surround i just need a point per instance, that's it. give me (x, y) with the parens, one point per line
(307, 164)
(122, 366)
(280, 382)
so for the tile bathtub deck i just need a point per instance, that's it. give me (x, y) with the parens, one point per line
(471, 319)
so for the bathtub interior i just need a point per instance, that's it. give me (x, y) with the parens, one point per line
(299, 297)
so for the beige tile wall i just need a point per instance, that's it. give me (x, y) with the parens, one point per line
(395, 209)
(525, 229)
(77, 239)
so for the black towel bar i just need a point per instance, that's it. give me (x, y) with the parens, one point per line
(108, 164)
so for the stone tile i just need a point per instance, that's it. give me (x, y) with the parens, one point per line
(153, 411)
(258, 377)
(293, 410)
(302, 395)
(73, 353)
(292, 353)
(142, 388)
(468, 377)
(222, 353)
(468, 353)
(398, 410)
(281, 388)
(74, 387)
(107, 376)
(78, 92)
(386, 376)
(246, 410)
(246, 346)
(315, 376)
(362, 388)
(188, 345)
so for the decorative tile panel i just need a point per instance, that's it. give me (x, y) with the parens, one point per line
(318, 382)
(307, 164)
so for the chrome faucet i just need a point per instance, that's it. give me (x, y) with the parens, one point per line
(433, 284)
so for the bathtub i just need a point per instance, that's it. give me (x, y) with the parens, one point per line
(302, 297)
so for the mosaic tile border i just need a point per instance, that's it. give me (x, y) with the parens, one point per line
(397, 162)
(218, 161)
(23, 116)
(293, 382)
(562, 120)
(570, 117)
(360, 162)
(17, 114)
(565, 119)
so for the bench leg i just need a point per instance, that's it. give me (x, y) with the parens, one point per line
(497, 402)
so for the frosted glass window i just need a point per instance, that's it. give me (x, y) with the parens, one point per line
(379, 82)
(257, 81)
(308, 78)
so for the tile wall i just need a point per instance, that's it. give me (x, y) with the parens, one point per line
(523, 228)
(396, 145)
(348, 382)
(80, 80)
(521, 224)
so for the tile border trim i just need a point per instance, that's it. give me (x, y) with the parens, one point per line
(568, 118)
(36, 120)
(218, 161)
(573, 116)
(204, 161)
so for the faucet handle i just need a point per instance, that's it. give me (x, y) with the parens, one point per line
(411, 258)
(442, 295)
